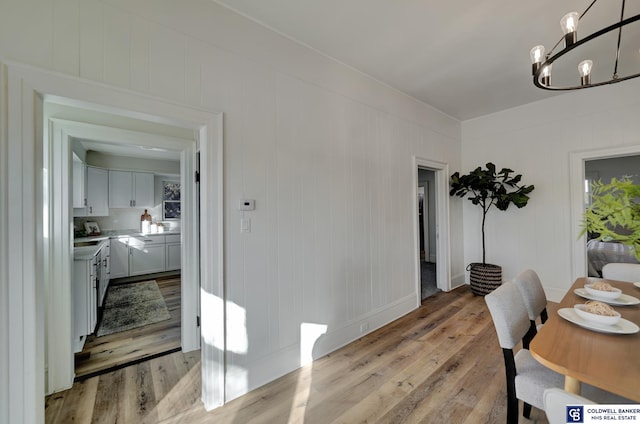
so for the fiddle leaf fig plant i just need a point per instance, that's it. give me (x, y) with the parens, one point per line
(487, 188)
(614, 213)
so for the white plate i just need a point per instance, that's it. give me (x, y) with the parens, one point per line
(637, 284)
(623, 300)
(622, 327)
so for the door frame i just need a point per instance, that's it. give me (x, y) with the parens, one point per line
(59, 369)
(443, 232)
(23, 91)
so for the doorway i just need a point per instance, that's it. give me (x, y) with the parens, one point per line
(604, 170)
(138, 314)
(100, 135)
(427, 233)
(431, 227)
(581, 172)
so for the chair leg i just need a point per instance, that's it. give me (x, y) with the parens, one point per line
(543, 315)
(526, 410)
(512, 401)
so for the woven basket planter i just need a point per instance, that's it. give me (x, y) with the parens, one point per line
(484, 278)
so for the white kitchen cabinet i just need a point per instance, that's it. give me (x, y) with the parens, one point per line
(96, 192)
(173, 252)
(130, 189)
(79, 181)
(146, 254)
(119, 256)
(85, 302)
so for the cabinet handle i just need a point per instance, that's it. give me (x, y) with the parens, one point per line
(85, 201)
(90, 209)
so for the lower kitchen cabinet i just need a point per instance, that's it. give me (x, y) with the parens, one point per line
(146, 254)
(120, 257)
(139, 255)
(173, 252)
(85, 300)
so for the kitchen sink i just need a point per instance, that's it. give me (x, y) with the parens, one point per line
(86, 243)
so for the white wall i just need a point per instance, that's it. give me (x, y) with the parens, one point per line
(326, 152)
(536, 140)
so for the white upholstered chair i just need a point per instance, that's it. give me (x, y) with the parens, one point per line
(556, 401)
(535, 301)
(527, 379)
(622, 272)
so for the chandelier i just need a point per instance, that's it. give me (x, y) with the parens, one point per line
(578, 50)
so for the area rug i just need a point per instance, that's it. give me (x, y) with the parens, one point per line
(132, 305)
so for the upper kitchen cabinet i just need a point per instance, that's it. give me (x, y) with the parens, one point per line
(95, 182)
(130, 189)
(79, 181)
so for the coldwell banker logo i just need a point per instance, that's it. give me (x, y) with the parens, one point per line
(575, 414)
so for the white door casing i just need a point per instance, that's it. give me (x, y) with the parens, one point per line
(24, 89)
(443, 252)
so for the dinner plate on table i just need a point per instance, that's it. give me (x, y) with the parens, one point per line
(623, 300)
(637, 284)
(621, 327)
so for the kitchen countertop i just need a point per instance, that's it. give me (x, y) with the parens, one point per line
(84, 253)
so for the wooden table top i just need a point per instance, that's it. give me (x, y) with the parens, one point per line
(608, 361)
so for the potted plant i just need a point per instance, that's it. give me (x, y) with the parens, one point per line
(614, 213)
(487, 188)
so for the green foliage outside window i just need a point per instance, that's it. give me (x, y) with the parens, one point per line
(614, 214)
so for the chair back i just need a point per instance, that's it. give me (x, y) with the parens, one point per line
(622, 272)
(509, 314)
(532, 292)
(555, 404)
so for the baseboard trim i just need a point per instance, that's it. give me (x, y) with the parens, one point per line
(287, 359)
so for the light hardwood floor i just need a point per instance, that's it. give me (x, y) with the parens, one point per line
(113, 350)
(439, 364)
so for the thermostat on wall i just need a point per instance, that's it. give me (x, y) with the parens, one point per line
(247, 204)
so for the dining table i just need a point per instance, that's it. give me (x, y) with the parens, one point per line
(609, 360)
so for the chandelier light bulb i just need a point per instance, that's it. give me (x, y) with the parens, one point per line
(569, 22)
(537, 57)
(569, 25)
(546, 75)
(584, 68)
(537, 54)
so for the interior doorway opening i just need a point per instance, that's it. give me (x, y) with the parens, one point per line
(604, 170)
(431, 226)
(110, 136)
(427, 233)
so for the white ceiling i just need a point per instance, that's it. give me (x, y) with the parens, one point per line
(129, 150)
(467, 58)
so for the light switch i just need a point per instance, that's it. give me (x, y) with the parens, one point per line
(245, 225)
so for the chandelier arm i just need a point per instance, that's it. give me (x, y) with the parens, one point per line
(564, 51)
(587, 9)
(615, 68)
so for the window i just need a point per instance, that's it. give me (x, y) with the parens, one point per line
(170, 200)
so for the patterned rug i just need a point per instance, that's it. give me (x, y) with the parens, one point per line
(132, 305)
